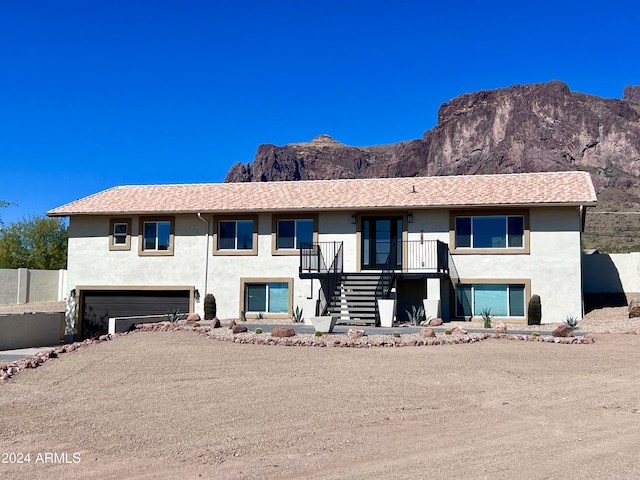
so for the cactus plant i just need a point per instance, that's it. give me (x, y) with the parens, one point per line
(534, 311)
(210, 308)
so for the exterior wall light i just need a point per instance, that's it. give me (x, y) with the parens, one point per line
(410, 218)
(196, 295)
(353, 219)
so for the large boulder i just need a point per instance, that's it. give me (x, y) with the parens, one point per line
(239, 329)
(283, 332)
(354, 333)
(500, 328)
(634, 308)
(435, 322)
(427, 332)
(562, 331)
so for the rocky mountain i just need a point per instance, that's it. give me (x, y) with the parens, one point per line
(523, 128)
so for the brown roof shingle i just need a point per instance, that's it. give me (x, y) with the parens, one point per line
(522, 189)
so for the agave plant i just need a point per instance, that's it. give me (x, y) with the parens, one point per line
(416, 315)
(296, 315)
(173, 315)
(572, 322)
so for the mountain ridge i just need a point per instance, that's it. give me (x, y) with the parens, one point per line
(522, 128)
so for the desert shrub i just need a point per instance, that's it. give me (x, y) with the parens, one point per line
(258, 331)
(535, 334)
(210, 308)
(534, 311)
(196, 325)
(396, 334)
(173, 315)
(572, 322)
(486, 317)
(243, 316)
(447, 332)
(416, 315)
(318, 334)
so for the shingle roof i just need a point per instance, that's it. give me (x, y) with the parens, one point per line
(522, 189)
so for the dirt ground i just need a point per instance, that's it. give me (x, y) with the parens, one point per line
(179, 405)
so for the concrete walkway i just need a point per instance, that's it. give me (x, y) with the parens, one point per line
(12, 355)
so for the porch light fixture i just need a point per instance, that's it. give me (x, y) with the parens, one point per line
(410, 218)
(72, 293)
(196, 295)
(353, 219)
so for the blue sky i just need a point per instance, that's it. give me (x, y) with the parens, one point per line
(95, 94)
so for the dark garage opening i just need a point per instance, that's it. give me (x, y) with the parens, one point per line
(99, 305)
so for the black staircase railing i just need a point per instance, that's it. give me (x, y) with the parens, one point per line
(313, 258)
(454, 276)
(324, 261)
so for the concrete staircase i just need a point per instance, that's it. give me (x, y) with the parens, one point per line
(354, 299)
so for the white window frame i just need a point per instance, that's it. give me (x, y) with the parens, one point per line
(113, 223)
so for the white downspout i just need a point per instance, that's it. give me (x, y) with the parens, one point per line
(206, 258)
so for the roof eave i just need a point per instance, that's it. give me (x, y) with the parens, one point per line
(588, 203)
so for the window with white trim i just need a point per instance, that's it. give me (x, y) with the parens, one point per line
(490, 231)
(504, 300)
(120, 234)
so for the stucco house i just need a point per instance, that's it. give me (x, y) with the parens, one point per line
(464, 243)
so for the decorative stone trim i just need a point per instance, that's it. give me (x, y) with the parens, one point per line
(8, 370)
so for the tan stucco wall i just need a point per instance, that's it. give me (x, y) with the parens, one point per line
(9, 286)
(31, 330)
(23, 285)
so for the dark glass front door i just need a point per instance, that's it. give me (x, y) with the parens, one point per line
(381, 247)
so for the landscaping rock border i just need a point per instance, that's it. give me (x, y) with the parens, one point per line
(9, 369)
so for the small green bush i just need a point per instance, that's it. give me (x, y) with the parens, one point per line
(318, 334)
(447, 332)
(196, 325)
(258, 331)
(243, 316)
(396, 334)
(535, 334)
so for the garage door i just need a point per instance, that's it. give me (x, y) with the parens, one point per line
(99, 305)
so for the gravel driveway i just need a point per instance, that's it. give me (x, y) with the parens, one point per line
(179, 405)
